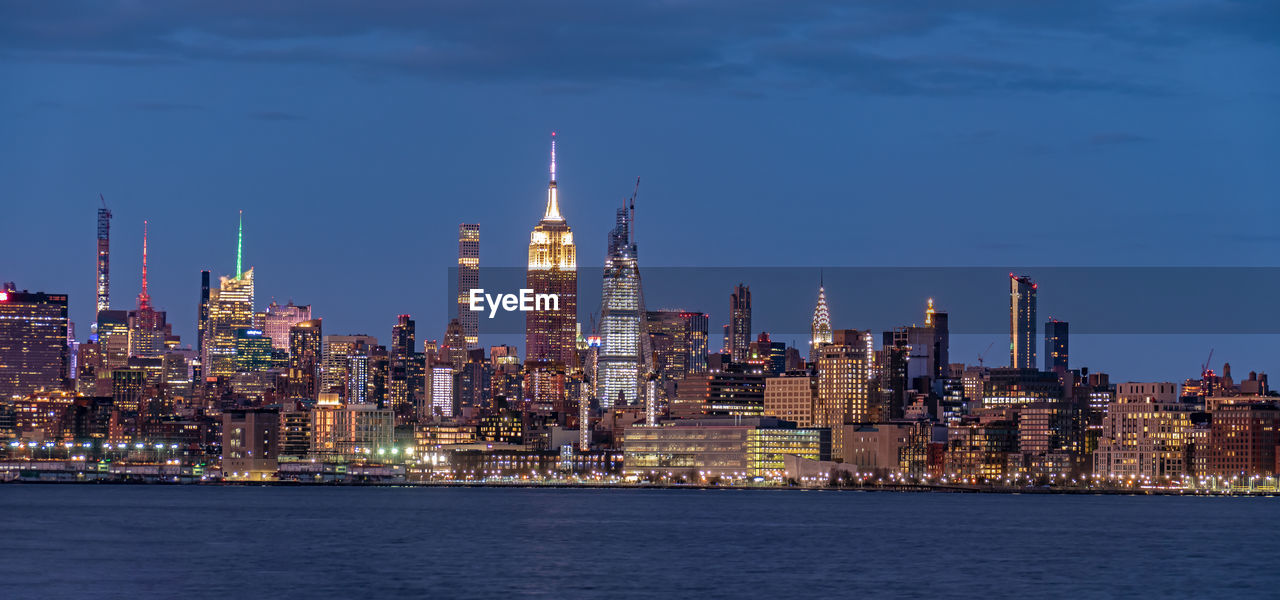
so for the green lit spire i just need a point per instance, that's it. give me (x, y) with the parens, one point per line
(239, 245)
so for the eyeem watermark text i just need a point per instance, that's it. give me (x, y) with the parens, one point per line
(524, 302)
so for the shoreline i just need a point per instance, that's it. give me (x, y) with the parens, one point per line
(918, 489)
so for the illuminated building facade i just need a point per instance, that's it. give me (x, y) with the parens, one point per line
(400, 356)
(678, 341)
(791, 396)
(250, 443)
(441, 392)
(1056, 346)
(148, 328)
(468, 279)
(280, 319)
(33, 342)
(349, 432)
(735, 390)
(344, 365)
(1243, 439)
(253, 351)
(739, 326)
(624, 349)
(1144, 433)
(104, 258)
(844, 383)
(113, 339)
(230, 309)
(820, 329)
(551, 331)
(1022, 322)
(718, 447)
(305, 346)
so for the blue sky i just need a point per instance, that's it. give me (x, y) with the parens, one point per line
(357, 136)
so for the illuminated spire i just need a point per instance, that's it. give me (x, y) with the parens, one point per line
(928, 314)
(239, 244)
(553, 202)
(144, 298)
(820, 331)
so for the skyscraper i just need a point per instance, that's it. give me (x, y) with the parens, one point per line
(844, 373)
(739, 343)
(468, 279)
(203, 312)
(401, 353)
(820, 329)
(104, 256)
(1055, 346)
(230, 308)
(304, 358)
(147, 327)
(550, 330)
(344, 368)
(1022, 322)
(280, 319)
(678, 339)
(624, 356)
(33, 342)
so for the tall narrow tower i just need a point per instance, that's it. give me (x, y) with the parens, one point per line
(230, 309)
(468, 279)
(551, 331)
(820, 329)
(148, 328)
(740, 323)
(624, 356)
(104, 256)
(1022, 322)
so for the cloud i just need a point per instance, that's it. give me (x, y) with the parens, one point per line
(272, 115)
(767, 45)
(1117, 139)
(166, 106)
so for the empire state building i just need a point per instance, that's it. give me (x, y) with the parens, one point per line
(551, 333)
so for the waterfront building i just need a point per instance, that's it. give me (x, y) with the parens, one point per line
(1243, 439)
(1144, 433)
(733, 448)
(344, 365)
(250, 443)
(350, 431)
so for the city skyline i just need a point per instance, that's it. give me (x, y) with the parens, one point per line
(1077, 139)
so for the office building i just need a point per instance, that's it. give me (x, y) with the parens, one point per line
(791, 396)
(468, 279)
(624, 356)
(1055, 347)
(701, 449)
(278, 320)
(305, 352)
(551, 328)
(230, 309)
(738, 341)
(33, 342)
(104, 257)
(1022, 322)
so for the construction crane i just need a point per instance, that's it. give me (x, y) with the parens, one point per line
(632, 208)
(1204, 367)
(984, 353)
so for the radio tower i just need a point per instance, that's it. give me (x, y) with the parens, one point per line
(104, 256)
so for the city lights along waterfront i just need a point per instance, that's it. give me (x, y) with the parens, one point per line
(625, 394)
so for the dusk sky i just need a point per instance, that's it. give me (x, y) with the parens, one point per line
(357, 136)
